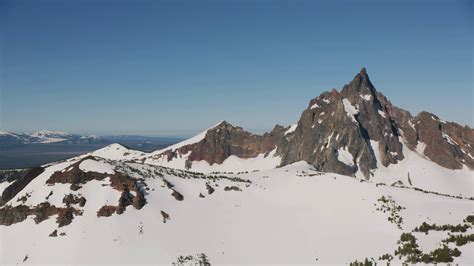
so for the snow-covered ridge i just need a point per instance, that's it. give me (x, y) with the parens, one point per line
(118, 152)
(44, 132)
(197, 138)
(5, 133)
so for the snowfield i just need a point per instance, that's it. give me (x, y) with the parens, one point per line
(289, 215)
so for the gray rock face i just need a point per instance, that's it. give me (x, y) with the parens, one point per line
(353, 121)
(337, 124)
(356, 129)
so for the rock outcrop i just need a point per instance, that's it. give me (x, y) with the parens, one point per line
(12, 190)
(356, 128)
(225, 140)
(447, 144)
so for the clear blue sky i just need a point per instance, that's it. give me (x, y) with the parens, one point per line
(177, 67)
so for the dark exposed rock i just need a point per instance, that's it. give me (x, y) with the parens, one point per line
(139, 201)
(65, 216)
(177, 195)
(225, 140)
(118, 181)
(447, 143)
(10, 215)
(168, 183)
(165, 216)
(75, 176)
(54, 233)
(232, 188)
(12, 190)
(73, 199)
(11, 175)
(49, 195)
(125, 199)
(24, 198)
(201, 195)
(210, 189)
(43, 211)
(75, 187)
(106, 211)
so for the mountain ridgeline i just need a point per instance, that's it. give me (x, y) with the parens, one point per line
(353, 130)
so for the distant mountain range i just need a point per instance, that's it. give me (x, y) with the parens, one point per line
(46, 136)
(20, 150)
(59, 137)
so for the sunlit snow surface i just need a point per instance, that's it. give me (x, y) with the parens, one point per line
(287, 215)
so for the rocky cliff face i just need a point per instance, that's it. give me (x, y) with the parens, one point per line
(225, 140)
(348, 131)
(353, 130)
(447, 144)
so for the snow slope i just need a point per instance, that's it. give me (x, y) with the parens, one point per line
(230, 164)
(117, 152)
(288, 215)
(424, 174)
(189, 141)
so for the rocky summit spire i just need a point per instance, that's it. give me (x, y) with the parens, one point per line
(358, 130)
(361, 84)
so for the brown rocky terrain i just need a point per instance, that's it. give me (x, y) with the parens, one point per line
(74, 176)
(225, 140)
(118, 181)
(11, 215)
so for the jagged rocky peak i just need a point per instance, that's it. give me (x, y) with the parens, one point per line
(343, 131)
(224, 125)
(360, 85)
(358, 129)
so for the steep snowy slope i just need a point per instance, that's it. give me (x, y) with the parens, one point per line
(287, 215)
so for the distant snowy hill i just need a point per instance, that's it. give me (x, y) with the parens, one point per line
(356, 179)
(44, 137)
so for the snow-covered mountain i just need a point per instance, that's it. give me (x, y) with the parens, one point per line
(356, 178)
(45, 137)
